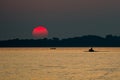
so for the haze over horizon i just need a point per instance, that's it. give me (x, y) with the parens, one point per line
(62, 18)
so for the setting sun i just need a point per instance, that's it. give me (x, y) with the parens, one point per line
(40, 32)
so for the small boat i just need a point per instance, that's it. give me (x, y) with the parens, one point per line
(53, 48)
(91, 50)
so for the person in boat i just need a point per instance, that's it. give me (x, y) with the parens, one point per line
(91, 50)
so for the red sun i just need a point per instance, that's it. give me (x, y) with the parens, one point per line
(40, 32)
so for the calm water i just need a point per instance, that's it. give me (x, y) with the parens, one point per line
(59, 64)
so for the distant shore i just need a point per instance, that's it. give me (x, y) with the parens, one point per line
(83, 41)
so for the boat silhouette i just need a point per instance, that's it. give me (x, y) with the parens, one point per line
(91, 50)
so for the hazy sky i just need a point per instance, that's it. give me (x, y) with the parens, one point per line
(62, 18)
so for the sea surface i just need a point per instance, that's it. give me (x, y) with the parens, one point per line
(60, 63)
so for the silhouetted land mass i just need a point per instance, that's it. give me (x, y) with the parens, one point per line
(83, 41)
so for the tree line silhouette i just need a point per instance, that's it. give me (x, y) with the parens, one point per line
(83, 41)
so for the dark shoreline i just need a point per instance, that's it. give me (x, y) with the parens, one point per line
(62, 47)
(83, 41)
